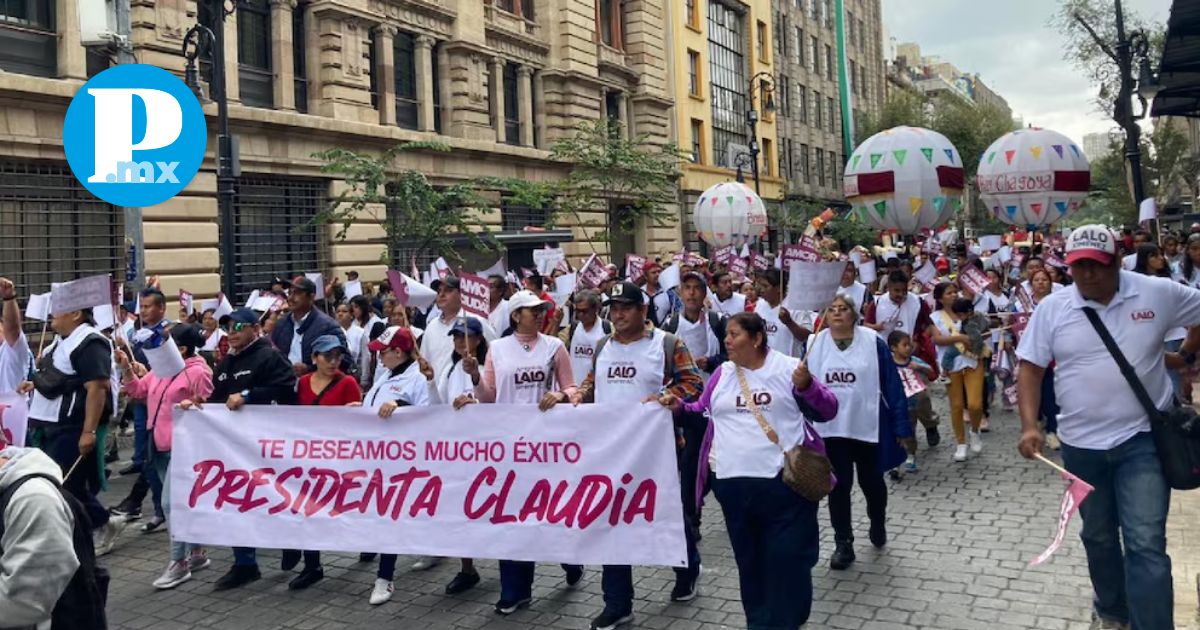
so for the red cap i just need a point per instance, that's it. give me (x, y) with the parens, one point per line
(394, 338)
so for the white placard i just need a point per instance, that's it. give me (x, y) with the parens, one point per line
(104, 316)
(38, 307)
(991, 242)
(420, 296)
(566, 283)
(352, 288)
(866, 272)
(165, 360)
(319, 280)
(497, 269)
(1148, 210)
(669, 278)
(813, 285)
(547, 259)
(496, 502)
(14, 418)
(926, 274)
(80, 294)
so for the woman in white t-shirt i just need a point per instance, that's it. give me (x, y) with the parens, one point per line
(531, 368)
(773, 530)
(857, 366)
(966, 372)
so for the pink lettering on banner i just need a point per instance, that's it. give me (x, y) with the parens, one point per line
(633, 267)
(1077, 490)
(740, 267)
(973, 279)
(723, 255)
(759, 262)
(475, 292)
(598, 481)
(593, 273)
(1011, 183)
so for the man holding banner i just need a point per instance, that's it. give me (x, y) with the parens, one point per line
(15, 357)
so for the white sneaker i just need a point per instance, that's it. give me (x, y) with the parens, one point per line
(976, 442)
(382, 592)
(177, 573)
(105, 536)
(426, 562)
(1053, 442)
(960, 453)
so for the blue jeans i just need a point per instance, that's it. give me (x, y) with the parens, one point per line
(1049, 409)
(773, 532)
(161, 462)
(1176, 380)
(1129, 504)
(139, 433)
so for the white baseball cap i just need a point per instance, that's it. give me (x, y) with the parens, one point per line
(1092, 242)
(524, 299)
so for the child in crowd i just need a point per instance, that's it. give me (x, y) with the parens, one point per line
(974, 325)
(915, 374)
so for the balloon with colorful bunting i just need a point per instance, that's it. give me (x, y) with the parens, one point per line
(730, 213)
(1033, 178)
(904, 179)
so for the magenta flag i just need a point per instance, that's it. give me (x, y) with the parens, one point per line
(1077, 491)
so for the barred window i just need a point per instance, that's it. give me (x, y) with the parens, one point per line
(28, 38)
(404, 48)
(299, 61)
(54, 229)
(727, 77)
(254, 53)
(514, 218)
(512, 105)
(273, 233)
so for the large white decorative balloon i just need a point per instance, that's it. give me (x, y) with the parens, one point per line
(1033, 177)
(905, 179)
(729, 213)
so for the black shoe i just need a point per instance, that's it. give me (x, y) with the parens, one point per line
(878, 535)
(510, 606)
(237, 576)
(291, 558)
(574, 574)
(307, 578)
(932, 437)
(132, 469)
(685, 587)
(366, 557)
(843, 556)
(608, 620)
(112, 456)
(894, 474)
(462, 583)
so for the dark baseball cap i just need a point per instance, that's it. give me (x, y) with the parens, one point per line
(242, 316)
(327, 343)
(451, 282)
(305, 285)
(626, 293)
(467, 326)
(188, 335)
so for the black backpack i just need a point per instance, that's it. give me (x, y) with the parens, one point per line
(81, 605)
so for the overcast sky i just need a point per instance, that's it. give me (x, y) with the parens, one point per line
(1015, 53)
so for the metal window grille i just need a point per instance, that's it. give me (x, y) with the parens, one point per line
(28, 42)
(273, 233)
(373, 67)
(254, 53)
(54, 229)
(514, 218)
(512, 105)
(404, 48)
(727, 75)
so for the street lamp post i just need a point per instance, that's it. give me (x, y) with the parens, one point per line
(762, 82)
(209, 40)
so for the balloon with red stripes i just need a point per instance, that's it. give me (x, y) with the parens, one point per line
(1032, 178)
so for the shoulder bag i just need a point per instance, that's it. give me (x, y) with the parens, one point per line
(1176, 430)
(807, 472)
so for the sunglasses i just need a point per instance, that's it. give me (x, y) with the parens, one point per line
(237, 326)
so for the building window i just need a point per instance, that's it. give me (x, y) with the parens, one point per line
(813, 9)
(299, 57)
(768, 157)
(820, 167)
(827, 13)
(694, 73)
(781, 34)
(522, 8)
(762, 41)
(828, 62)
(815, 65)
(512, 105)
(799, 46)
(373, 67)
(28, 37)
(54, 228)
(515, 218)
(610, 22)
(802, 100)
(693, 16)
(850, 26)
(697, 141)
(829, 114)
(274, 230)
(612, 110)
(862, 35)
(804, 172)
(783, 88)
(404, 59)
(817, 109)
(727, 78)
(254, 53)
(435, 54)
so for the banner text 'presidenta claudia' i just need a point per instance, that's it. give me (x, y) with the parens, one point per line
(591, 484)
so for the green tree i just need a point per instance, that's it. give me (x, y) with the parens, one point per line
(606, 166)
(414, 213)
(904, 107)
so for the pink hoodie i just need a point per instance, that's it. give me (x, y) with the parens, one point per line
(161, 394)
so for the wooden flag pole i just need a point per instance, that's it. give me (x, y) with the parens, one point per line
(1051, 464)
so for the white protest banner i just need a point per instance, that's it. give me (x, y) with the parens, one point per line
(38, 307)
(497, 269)
(252, 298)
(474, 291)
(439, 269)
(80, 294)
(866, 272)
(352, 288)
(592, 273)
(593, 484)
(669, 278)
(813, 285)
(104, 316)
(14, 419)
(420, 296)
(564, 287)
(1077, 490)
(1004, 254)
(186, 302)
(209, 305)
(547, 259)
(263, 303)
(991, 242)
(926, 274)
(223, 307)
(973, 279)
(319, 280)
(1148, 210)
(164, 358)
(633, 267)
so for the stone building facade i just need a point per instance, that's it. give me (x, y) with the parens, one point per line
(498, 81)
(808, 93)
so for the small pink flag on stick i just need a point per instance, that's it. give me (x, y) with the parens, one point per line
(1077, 490)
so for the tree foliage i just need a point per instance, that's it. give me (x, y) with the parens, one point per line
(606, 166)
(1089, 30)
(414, 213)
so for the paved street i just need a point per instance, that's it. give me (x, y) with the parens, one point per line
(961, 536)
